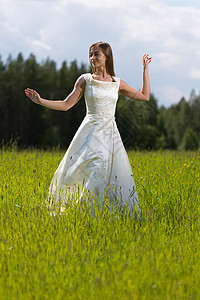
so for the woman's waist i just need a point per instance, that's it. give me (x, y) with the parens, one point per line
(100, 115)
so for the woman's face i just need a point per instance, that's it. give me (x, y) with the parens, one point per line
(97, 58)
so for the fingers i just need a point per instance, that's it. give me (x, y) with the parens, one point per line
(28, 90)
(145, 56)
(32, 94)
(28, 93)
(146, 59)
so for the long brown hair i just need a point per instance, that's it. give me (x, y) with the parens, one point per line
(107, 51)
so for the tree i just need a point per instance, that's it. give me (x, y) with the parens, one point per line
(190, 140)
(142, 125)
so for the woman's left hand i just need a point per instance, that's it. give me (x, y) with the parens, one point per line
(146, 60)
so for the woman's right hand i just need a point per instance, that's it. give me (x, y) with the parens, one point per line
(33, 95)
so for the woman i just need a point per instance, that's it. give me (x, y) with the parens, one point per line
(96, 161)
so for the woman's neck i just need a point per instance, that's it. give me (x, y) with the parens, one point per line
(101, 74)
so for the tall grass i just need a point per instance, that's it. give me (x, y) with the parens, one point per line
(77, 256)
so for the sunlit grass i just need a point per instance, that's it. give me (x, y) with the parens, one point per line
(77, 256)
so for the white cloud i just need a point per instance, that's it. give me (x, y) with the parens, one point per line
(38, 44)
(64, 29)
(195, 74)
(166, 60)
(173, 94)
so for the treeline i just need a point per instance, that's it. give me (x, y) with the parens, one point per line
(147, 126)
(142, 125)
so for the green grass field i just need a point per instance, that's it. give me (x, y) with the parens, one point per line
(75, 256)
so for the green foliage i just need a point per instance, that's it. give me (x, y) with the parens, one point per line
(137, 122)
(143, 125)
(30, 124)
(77, 256)
(190, 140)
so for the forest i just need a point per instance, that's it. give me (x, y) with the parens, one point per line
(141, 125)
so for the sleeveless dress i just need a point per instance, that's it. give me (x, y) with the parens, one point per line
(96, 160)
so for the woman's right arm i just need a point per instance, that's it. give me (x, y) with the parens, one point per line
(65, 104)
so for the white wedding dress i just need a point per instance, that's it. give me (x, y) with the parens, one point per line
(96, 160)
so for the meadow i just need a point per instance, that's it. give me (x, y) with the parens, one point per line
(108, 256)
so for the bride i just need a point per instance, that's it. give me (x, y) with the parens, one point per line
(96, 160)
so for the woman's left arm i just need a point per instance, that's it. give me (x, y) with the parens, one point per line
(144, 93)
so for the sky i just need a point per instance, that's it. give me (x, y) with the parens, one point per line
(64, 29)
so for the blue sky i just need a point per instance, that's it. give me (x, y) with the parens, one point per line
(63, 30)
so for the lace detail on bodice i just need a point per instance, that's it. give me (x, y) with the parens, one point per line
(101, 96)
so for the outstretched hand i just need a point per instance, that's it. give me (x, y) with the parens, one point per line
(146, 60)
(33, 95)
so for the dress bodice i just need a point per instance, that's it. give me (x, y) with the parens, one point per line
(101, 96)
